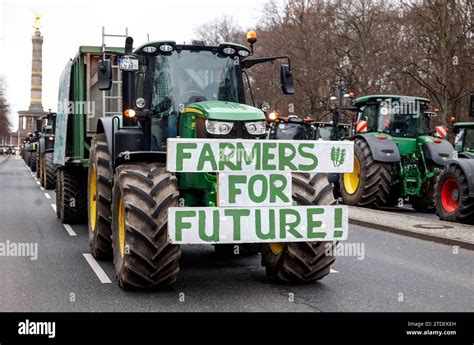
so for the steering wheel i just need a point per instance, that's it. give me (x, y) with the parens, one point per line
(191, 95)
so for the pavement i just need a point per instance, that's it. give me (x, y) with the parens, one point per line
(375, 270)
(428, 227)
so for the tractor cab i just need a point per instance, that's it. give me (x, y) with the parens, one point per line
(464, 142)
(291, 127)
(398, 116)
(327, 131)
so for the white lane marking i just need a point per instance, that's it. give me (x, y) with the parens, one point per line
(41, 188)
(47, 196)
(69, 230)
(38, 183)
(54, 207)
(333, 271)
(104, 279)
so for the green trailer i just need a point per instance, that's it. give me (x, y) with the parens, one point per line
(80, 106)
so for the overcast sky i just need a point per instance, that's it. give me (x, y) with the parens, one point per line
(68, 24)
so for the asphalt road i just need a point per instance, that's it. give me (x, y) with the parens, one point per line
(395, 273)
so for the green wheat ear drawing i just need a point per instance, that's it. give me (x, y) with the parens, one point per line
(338, 156)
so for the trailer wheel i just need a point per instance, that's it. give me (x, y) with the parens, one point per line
(99, 199)
(302, 261)
(72, 199)
(143, 256)
(59, 193)
(33, 161)
(369, 184)
(452, 199)
(49, 171)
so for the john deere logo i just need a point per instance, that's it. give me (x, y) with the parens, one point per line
(338, 156)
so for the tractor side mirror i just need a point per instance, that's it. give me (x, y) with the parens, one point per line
(286, 78)
(105, 74)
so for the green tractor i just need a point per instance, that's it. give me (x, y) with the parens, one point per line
(46, 169)
(30, 145)
(454, 190)
(396, 154)
(112, 158)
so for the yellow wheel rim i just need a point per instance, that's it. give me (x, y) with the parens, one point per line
(352, 180)
(92, 197)
(276, 248)
(121, 226)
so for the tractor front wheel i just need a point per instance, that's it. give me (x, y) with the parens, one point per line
(302, 262)
(49, 171)
(452, 199)
(369, 184)
(99, 199)
(72, 198)
(143, 255)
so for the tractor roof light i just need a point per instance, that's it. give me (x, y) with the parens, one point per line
(129, 113)
(452, 119)
(251, 39)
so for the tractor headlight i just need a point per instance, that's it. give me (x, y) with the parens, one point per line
(218, 127)
(256, 127)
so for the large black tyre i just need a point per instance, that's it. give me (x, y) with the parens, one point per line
(425, 202)
(49, 171)
(372, 179)
(33, 161)
(452, 199)
(38, 165)
(301, 262)
(41, 169)
(143, 256)
(242, 249)
(72, 199)
(99, 199)
(27, 158)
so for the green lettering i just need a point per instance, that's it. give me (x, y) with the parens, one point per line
(284, 160)
(268, 156)
(214, 237)
(181, 155)
(225, 159)
(252, 158)
(278, 191)
(236, 214)
(252, 190)
(206, 156)
(233, 190)
(287, 226)
(314, 224)
(311, 166)
(180, 225)
(258, 225)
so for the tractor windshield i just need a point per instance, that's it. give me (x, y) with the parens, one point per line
(469, 140)
(396, 120)
(188, 76)
(294, 131)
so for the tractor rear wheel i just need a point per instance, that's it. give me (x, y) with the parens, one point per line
(41, 169)
(72, 198)
(452, 199)
(33, 161)
(425, 201)
(143, 255)
(49, 171)
(369, 184)
(99, 199)
(302, 261)
(38, 165)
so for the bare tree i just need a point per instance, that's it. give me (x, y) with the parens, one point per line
(4, 120)
(223, 29)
